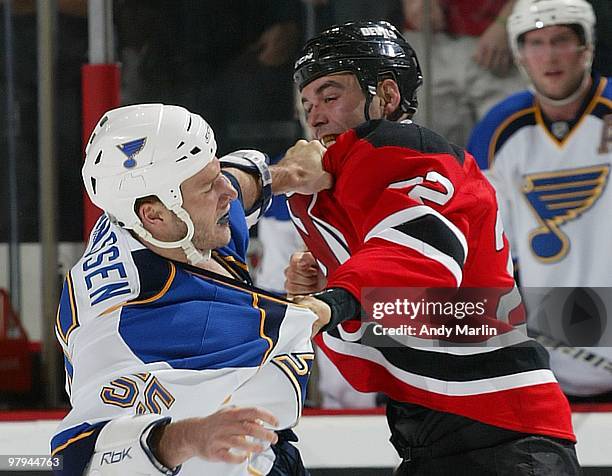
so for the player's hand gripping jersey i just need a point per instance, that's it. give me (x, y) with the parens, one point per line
(408, 209)
(145, 335)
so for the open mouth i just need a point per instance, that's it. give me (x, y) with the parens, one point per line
(224, 219)
(328, 139)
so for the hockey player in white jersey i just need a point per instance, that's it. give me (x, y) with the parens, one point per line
(548, 153)
(173, 360)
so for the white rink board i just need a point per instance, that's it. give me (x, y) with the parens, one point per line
(334, 441)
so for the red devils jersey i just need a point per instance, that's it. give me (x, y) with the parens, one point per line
(408, 209)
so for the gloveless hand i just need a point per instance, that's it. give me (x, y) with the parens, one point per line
(303, 169)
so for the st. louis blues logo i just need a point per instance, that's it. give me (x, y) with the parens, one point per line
(130, 149)
(556, 198)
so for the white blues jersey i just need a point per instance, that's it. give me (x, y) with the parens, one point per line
(552, 182)
(143, 334)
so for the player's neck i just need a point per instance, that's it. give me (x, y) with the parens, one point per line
(566, 112)
(214, 267)
(177, 254)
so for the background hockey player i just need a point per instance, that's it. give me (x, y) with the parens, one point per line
(408, 209)
(548, 153)
(164, 337)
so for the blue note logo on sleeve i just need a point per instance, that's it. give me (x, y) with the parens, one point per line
(559, 197)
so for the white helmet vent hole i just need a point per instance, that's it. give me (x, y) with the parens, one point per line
(93, 185)
(93, 136)
(182, 158)
(195, 150)
(99, 156)
(182, 143)
(189, 125)
(103, 121)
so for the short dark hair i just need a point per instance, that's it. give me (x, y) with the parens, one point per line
(573, 26)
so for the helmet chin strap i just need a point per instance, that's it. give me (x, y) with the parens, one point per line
(584, 85)
(370, 92)
(194, 256)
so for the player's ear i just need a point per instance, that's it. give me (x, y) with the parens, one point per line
(389, 91)
(150, 211)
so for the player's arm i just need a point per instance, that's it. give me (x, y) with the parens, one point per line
(249, 173)
(152, 445)
(299, 171)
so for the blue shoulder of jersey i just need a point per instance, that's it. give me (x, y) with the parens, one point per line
(607, 92)
(504, 119)
(239, 241)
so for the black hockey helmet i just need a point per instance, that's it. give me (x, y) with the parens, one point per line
(372, 50)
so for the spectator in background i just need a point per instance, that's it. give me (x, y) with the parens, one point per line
(332, 12)
(548, 153)
(470, 60)
(230, 60)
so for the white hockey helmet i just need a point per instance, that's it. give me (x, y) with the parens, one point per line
(142, 150)
(530, 15)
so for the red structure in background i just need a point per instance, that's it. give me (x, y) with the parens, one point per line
(15, 356)
(100, 86)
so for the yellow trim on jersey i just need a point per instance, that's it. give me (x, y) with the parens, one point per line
(501, 128)
(150, 399)
(129, 387)
(235, 261)
(262, 334)
(67, 356)
(601, 99)
(71, 440)
(159, 295)
(225, 265)
(560, 143)
(75, 322)
(559, 196)
(144, 376)
(557, 186)
(239, 288)
(292, 368)
(253, 471)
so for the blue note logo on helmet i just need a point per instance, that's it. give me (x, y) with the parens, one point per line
(130, 149)
(372, 51)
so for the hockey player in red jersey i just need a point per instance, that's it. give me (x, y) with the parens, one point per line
(408, 209)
